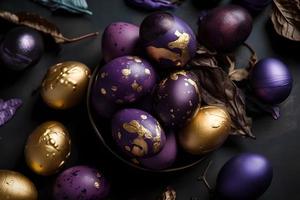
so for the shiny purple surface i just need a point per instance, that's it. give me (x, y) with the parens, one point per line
(137, 133)
(120, 39)
(124, 80)
(81, 183)
(159, 30)
(177, 99)
(165, 158)
(225, 28)
(244, 177)
(271, 80)
(21, 47)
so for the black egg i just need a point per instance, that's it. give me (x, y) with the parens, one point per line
(21, 47)
(177, 98)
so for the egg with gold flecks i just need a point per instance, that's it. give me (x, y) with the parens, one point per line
(125, 80)
(137, 133)
(207, 131)
(15, 186)
(177, 98)
(168, 40)
(48, 148)
(65, 84)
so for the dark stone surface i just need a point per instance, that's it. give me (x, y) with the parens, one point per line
(278, 140)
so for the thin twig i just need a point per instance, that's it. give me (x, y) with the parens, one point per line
(204, 175)
(69, 40)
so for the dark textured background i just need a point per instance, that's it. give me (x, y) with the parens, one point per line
(278, 140)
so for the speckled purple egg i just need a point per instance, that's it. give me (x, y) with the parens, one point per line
(168, 40)
(244, 177)
(165, 158)
(120, 39)
(271, 80)
(81, 183)
(137, 133)
(21, 47)
(177, 98)
(125, 80)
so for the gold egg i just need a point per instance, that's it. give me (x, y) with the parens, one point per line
(48, 148)
(65, 84)
(15, 186)
(207, 131)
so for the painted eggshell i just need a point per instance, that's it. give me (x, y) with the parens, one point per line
(120, 39)
(168, 40)
(125, 80)
(177, 98)
(165, 158)
(65, 84)
(48, 148)
(15, 186)
(81, 182)
(207, 131)
(244, 177)
(137, 133)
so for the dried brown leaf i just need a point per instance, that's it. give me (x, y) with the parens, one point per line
(286, 18)
(218, 89)
(40, 24)
(205, 58)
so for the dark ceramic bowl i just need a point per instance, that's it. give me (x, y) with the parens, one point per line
(102, 129)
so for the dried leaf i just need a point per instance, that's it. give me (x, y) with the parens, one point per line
(168, 194)
(40, 24)
(72, 6)
(8, 109)
(154, 4)
(286, 18)
(218, 89)
(205, 58)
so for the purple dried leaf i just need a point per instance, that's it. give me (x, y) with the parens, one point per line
(8, 109)
(152, 4)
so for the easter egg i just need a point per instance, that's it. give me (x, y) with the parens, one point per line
(21, 47)
(244, 177)
(81, 182)
(207, 131)
(177, 98)
(120, 39)
(168, 40)
(125, 80)
(15, 186)
(48, 148)
(137, 133)
(271, 80)
(65, 84)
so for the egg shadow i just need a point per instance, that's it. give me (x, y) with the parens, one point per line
(204, 4)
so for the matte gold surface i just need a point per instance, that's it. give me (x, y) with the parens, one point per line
(48, 148)
(65, 84)
(15, 186)
(206, 131)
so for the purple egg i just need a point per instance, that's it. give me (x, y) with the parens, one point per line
(120, 39)
(177, 98)
(137, 133)
(81, 182)
(125, 80)
(21, 47)
(244, 177)
(165, 158)
(225, 28)
(168, 40)
(271, 80)
(254, 6)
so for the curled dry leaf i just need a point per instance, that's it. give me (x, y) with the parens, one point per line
(286, 18)
(205, 58)
(40, 24)
(218, 89)
(168, 194)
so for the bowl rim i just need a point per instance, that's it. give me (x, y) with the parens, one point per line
(115, 153)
